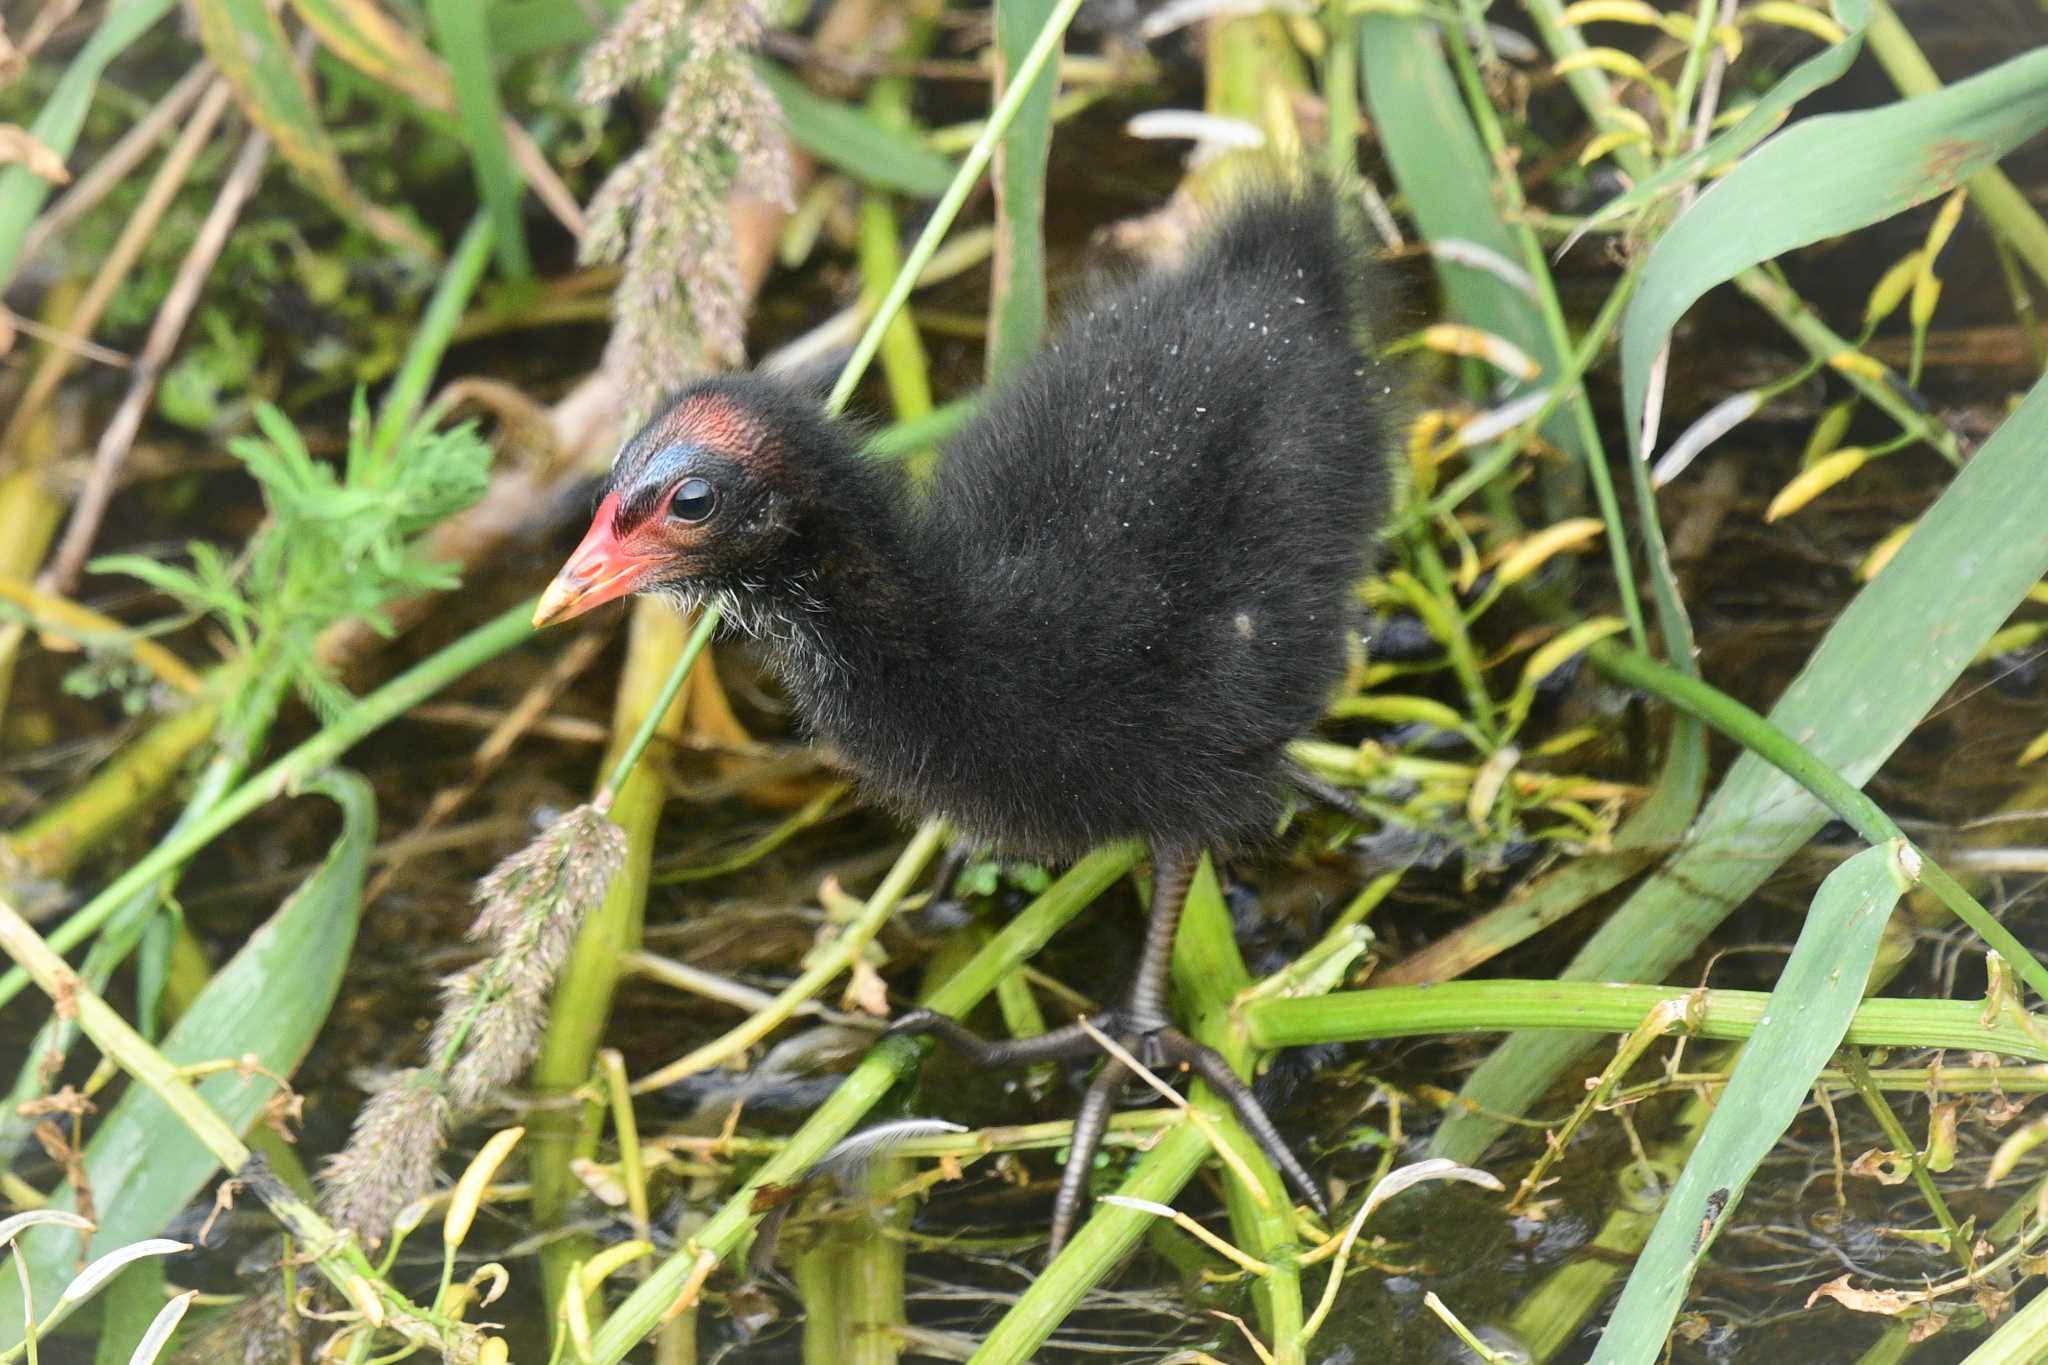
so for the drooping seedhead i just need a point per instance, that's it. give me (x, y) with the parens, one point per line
(701, 499)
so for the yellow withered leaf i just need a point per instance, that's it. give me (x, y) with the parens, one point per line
(1890, 290)
(469, 1190)
(363, 1295)
(1815, 480)
(1787, 15)
(1627, 118)
(1856, 362)
(2037, 749)
(1399, 709)
(1533, 551)
(1612, 60)
(608, 1262)
(1827, 433)
(1607, 142)
(1453, 338)
(1943, 227)
(1612, 12)
(1882, 552)
(1926, 293)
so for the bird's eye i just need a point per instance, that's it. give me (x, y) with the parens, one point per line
(694, 500)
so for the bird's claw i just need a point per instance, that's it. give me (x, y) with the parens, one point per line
(1159, 1047)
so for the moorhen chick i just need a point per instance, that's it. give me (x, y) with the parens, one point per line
(1123, 591)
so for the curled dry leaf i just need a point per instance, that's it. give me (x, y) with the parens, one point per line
(18, 144)
(1886, 1168)
(1888, 1302)
(866, 991)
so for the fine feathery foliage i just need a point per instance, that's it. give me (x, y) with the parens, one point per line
(335, 546)
(664, 211)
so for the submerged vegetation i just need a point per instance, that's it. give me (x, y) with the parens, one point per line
(1698, 718)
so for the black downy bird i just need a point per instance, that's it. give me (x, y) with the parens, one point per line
(1123, 591)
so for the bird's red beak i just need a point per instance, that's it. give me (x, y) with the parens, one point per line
(601, 569)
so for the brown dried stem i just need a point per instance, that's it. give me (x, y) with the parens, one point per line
(172, 315)
(113, 165)
(169, 179)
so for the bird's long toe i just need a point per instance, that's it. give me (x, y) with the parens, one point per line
(1209, 1064)
(1091, 1121)
(1163, 1047)
(1060, 1044)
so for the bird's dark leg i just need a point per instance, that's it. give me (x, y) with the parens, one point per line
(951, 864)
(943, 910)
(1054, 1045)
(1091, 1121)
(1145, 1023)
(1141, 1026)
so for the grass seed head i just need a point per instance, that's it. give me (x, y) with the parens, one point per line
(391, 1157)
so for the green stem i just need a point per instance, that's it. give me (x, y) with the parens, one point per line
(125, 926)
(1482, 473)
(430, 339)
(1436, 601)
(285, 775)
(1822, 342)
(707, 622)
(1209, 979)
(863, 1088)
(948, 207)
(1587, 84)
(1865, 1086)
(584, 990)
(1606, 1007)
(55, 841)
(1690, 76)
(337, 1257)
(1340, 92)
(1670, 610)
(1594, 94)
(1103, 1240)
(813, 812)
(824, 966)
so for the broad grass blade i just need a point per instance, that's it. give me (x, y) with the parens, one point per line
(465, 41)
(56, 126)
(1753, 127)
(368, 39)
(1817, 993)
(1017, 297)
(268, 1002)
(247, 43)
(1438, 161)
(1882, 667)
(853, 142)
(1820, 178)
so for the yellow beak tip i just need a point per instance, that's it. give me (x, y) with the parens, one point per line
(558, 603)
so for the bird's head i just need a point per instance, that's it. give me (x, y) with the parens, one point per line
(702, 499)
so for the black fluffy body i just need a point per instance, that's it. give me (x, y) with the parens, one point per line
(1125, 588)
